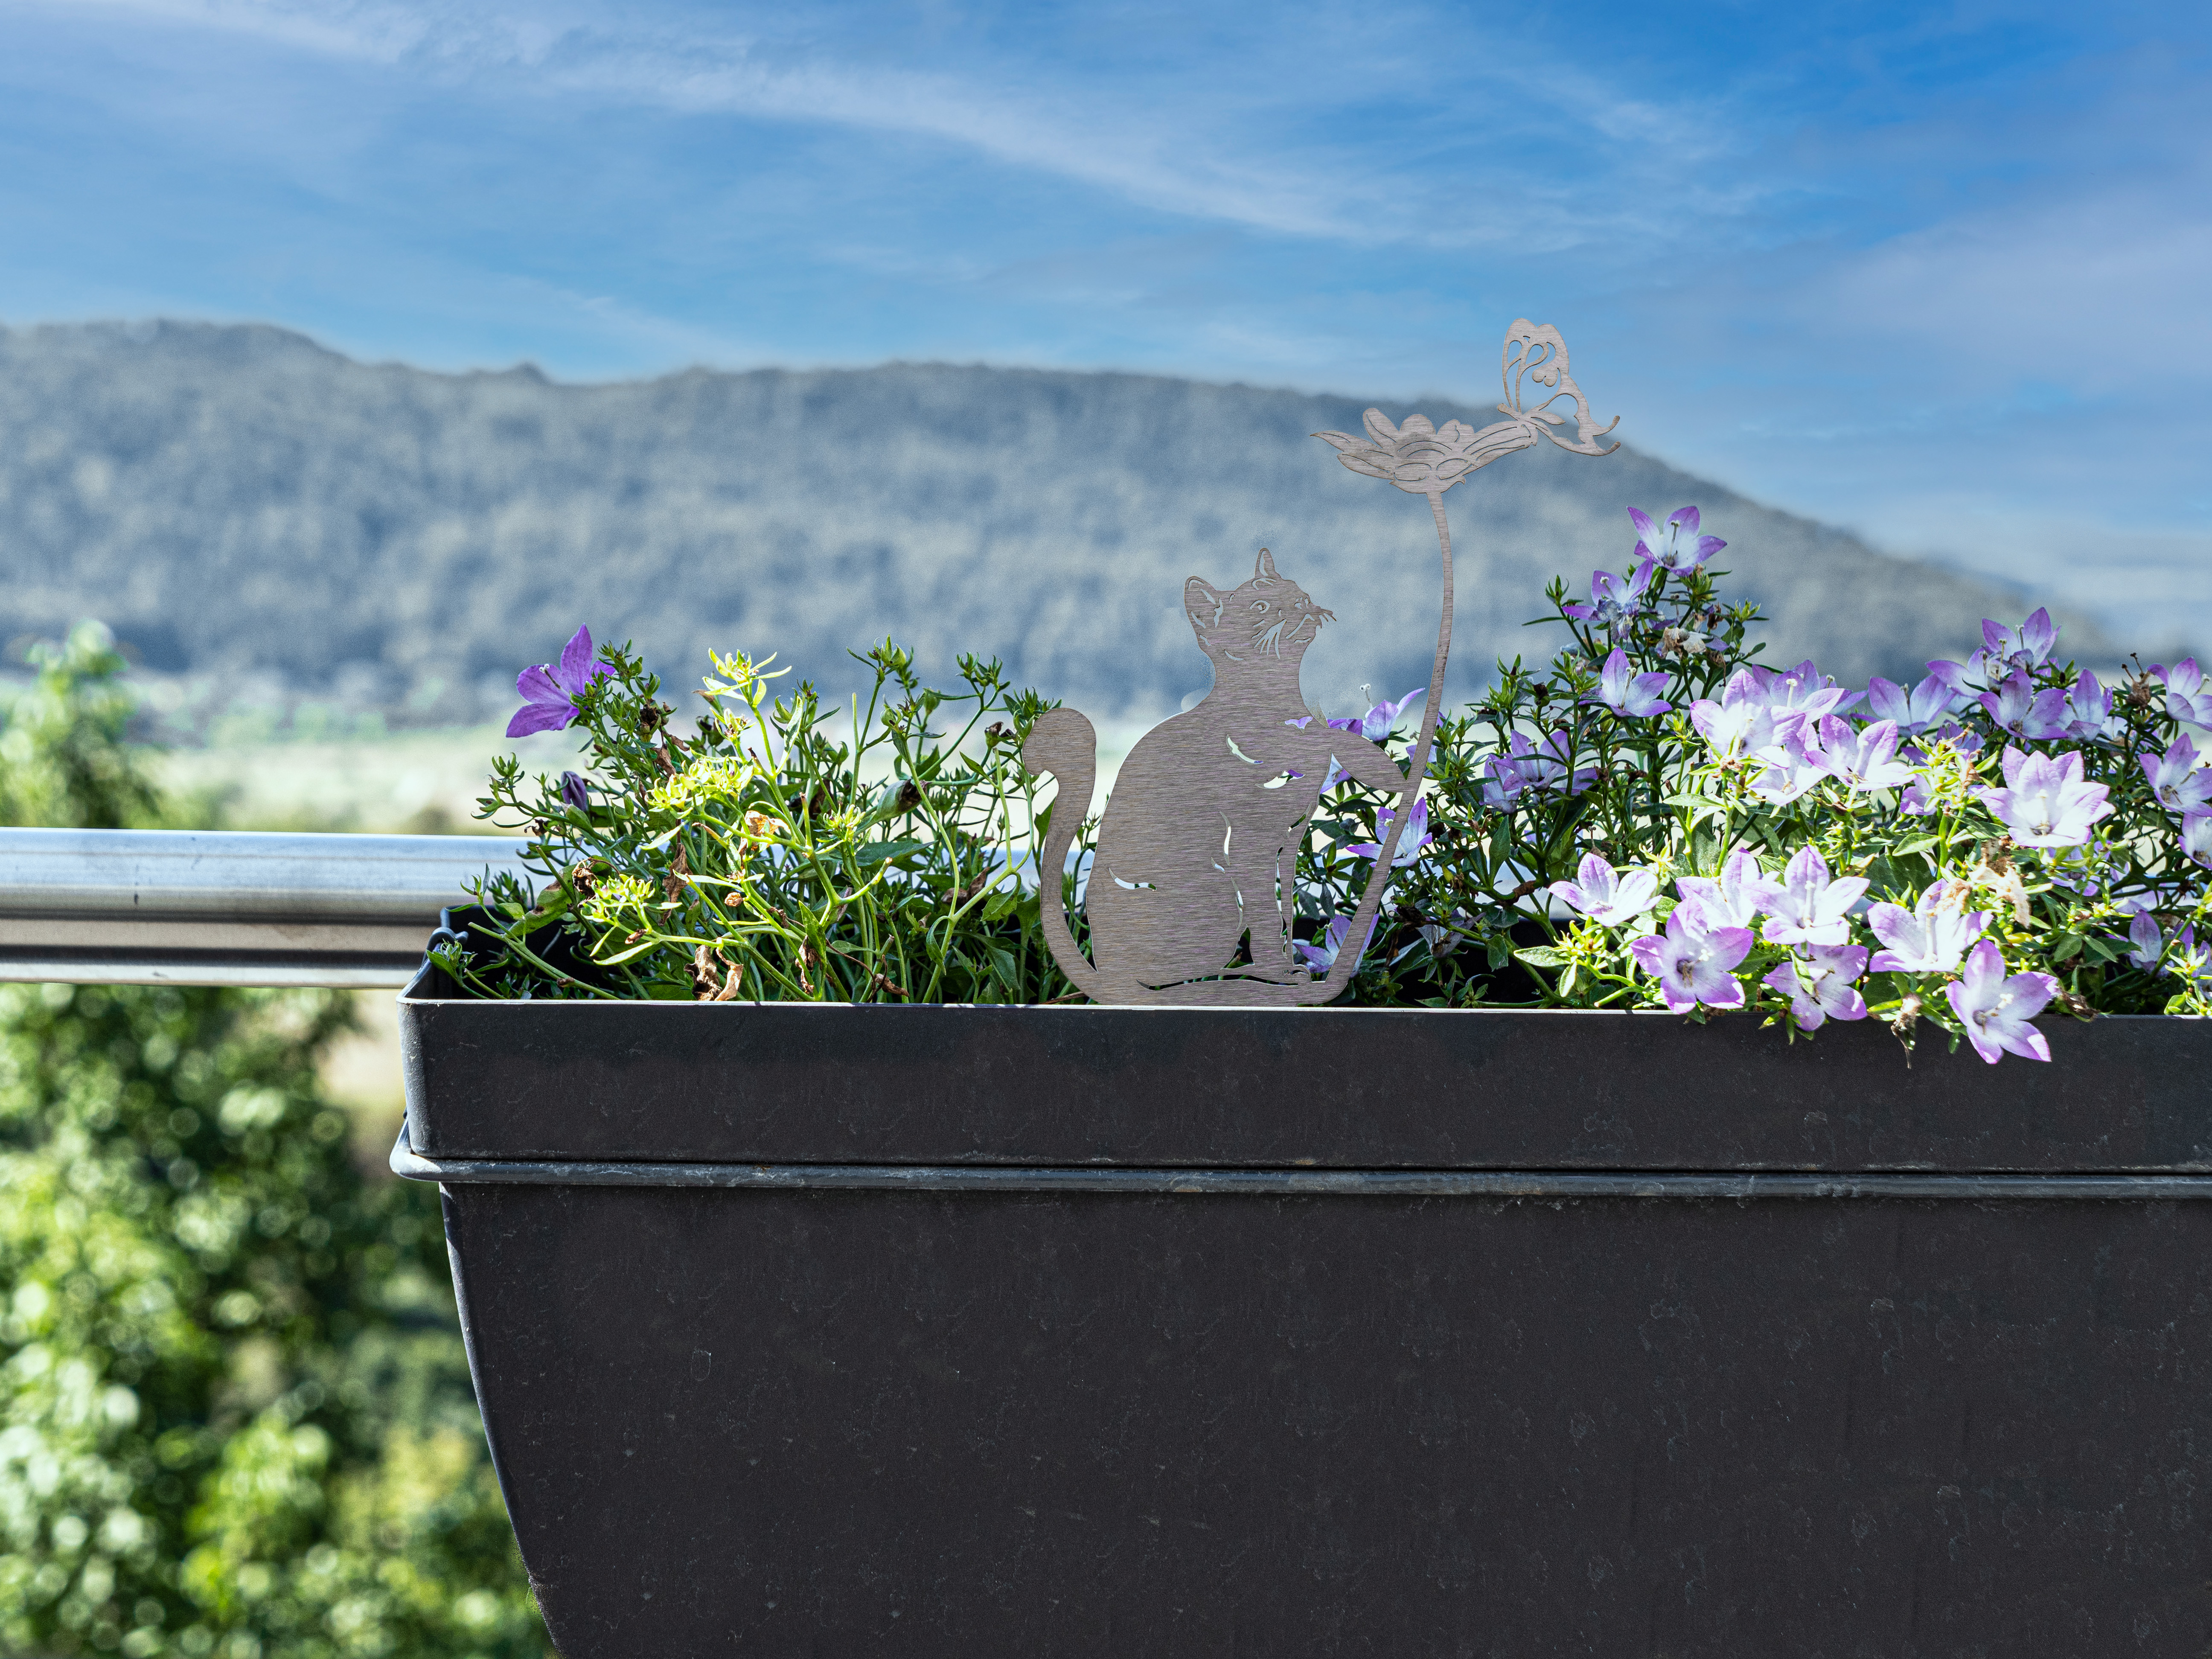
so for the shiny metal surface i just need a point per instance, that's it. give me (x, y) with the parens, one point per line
(149, 907)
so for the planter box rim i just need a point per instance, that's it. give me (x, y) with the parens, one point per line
(1075, 1086)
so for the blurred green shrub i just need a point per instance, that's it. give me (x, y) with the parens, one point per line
(235, 1412)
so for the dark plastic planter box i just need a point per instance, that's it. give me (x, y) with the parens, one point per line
(985, 1331)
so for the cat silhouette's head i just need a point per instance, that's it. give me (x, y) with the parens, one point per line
(1270, 616)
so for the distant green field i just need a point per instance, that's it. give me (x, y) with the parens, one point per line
(419, 783)
(422, 783)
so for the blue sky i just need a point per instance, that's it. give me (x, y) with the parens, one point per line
(1935, 272)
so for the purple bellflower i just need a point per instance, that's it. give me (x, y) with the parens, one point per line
(2044, 803)
(1811, 910)
(2178, 778)
(1613, 598)
(2153, 952)
(1320, 954)
(1676, 544)
(2017, 706)
(1523, 766)
(2148, 942)
(1802, 690)
(1794, 766)
(1996, 1010)
(2025, 647)
(1503, 786)
(1695, 964)
(1410, 844)
(1377, 723)
(1964, 678)
(2187, 695)
(1604, 896)
(1517, 768)
(1742, 722)
(2088, 709)
(1635, 697)
(2196, 837)
(1932, 936)
(1820, 985)
(550, 689)
(1526, 766)
(1374, 726)
(1913, 712)
(576, 790)
(1736, 896)
(1862, 760)
(2190, 961)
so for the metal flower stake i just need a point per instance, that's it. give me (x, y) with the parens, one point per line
(1197, 853)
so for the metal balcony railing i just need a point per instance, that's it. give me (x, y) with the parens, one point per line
(164, 907)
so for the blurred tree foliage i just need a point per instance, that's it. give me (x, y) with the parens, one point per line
(235, 1413)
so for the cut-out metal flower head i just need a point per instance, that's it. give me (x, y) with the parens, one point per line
(1423, 458)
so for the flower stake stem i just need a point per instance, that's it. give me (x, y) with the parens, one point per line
(1423, 460)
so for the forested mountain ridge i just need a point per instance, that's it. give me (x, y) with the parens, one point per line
(238, 501)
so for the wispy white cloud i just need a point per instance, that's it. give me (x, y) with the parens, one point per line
(2100, 292)
(1245, 151)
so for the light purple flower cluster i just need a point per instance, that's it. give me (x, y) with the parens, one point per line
(1785, 732)
(1809, 910)
(1793, 723)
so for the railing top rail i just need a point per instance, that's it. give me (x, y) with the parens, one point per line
(234, 873)
(229, 907)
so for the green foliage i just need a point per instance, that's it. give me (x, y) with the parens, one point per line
(873, 854)
(765, 858)
(236, 1413)
(62, 758)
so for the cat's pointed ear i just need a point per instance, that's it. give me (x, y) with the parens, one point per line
(1264, 569)
(1201, 604)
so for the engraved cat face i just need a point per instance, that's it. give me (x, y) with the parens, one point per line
(1270, 617)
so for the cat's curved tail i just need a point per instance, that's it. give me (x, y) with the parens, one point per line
(1063, 743)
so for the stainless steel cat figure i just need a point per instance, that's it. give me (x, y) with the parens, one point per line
(1198, 851)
